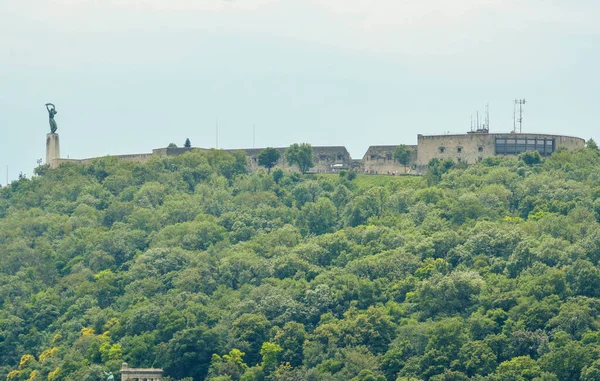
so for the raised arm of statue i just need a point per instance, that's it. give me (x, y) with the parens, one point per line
(51, 112)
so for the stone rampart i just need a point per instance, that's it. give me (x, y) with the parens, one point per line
(468, 148)
(473, 147)
(380, 160)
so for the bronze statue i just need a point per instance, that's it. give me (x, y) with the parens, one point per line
(51, 112)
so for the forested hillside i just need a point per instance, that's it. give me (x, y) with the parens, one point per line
(190, 264)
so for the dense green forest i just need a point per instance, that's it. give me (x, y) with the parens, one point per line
(487, 272)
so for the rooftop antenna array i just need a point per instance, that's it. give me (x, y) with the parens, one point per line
(481, 126)
(520, 103)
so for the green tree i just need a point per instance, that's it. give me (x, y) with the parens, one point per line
(402, 154)
(187, 143)
(318, 217)
(300, 155)
(592, 145)
(518, 369)
(268, 158)
(230, 365)
(270, 353)
(476, 357)
(530, 157)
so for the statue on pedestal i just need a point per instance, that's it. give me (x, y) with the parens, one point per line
(51, 112)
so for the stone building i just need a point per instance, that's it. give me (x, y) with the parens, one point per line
(380, 160)
(326, 159)
(140, 374)
(472, 147)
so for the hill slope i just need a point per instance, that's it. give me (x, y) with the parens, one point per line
(189, 264)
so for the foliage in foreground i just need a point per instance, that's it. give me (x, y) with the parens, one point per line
(188, 263)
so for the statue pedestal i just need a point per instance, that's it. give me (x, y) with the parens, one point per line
(52, 149)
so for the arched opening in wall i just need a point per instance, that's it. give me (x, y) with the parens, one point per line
(442, 149)
(480, 149)
(459, 149)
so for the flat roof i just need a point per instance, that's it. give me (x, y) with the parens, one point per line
(499, 133)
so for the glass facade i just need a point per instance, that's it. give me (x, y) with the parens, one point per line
(509, 146)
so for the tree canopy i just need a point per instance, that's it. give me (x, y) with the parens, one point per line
(300, 155)
(191, 264)
(402, 154)
(268, 158)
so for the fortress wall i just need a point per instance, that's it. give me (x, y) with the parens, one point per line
(473, 147)
(175, 151)
(380, 160)
(324, 159)
(569, 142)
(466, 147)
(138, 157)
(330, 159)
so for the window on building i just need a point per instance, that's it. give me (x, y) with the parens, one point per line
(480, 149)
(442, 149)
(459, 149)
(388, 156)
(516, 146)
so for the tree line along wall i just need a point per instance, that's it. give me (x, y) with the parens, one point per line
(379, 159)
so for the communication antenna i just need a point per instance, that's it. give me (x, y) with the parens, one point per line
(471, 122)
(487, 116)
(519, 102)
(217, 133)
(514, 117)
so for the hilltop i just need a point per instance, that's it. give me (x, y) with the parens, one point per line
(189, 263)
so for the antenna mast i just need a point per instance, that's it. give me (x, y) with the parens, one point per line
(487, 117)
(519, 102)
(514, 117)
(217, 133)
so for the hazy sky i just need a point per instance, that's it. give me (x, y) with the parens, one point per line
(128, 76)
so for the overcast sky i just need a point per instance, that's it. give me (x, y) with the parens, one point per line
(128, 76)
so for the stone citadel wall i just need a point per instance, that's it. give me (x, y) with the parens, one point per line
(473, 147)
(379, 160)
(468, 148)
